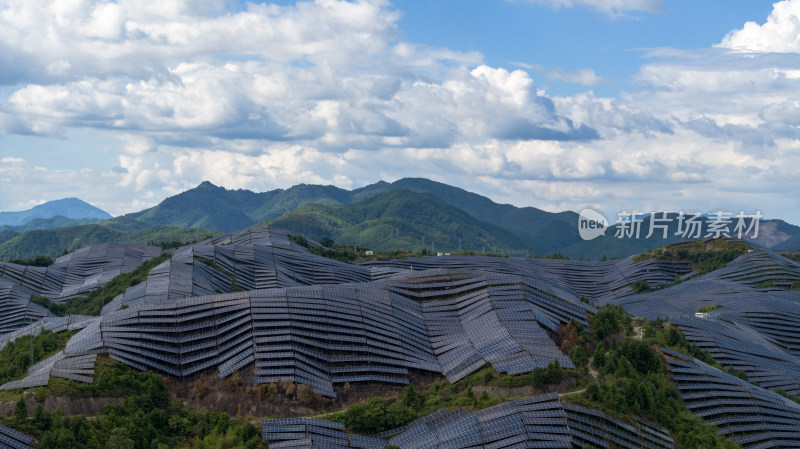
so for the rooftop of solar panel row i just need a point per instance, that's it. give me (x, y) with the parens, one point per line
(598, 281)
(752, 330)
(443, 329)
(72, 275)
(749, 414)
(79, 271)
(78, 368)
(265, 257)
(449, 315)
(83, 270)
(538, 421)
(14, 439)
(258, 258)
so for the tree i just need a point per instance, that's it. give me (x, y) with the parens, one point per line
(593, 392)
(306, 395)
(60, 438)
(640, 286)
(120, 439)
(554, 373)
(38, 261)
(599, 356)
(21, 409)
(41, 417)
(223, 423)
(570, 337)
(411, 398)
(538, 378)
(610, 320)
(579, 356)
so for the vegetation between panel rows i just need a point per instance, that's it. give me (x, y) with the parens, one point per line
(704, 256)
(144, 418)
(93, 303)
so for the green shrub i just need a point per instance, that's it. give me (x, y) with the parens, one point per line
(15, 357)
(610, 320)
(145, 418)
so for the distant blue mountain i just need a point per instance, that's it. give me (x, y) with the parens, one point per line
(68, 207)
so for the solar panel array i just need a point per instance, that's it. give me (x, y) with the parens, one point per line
(16, 310)
(534, 422)
(740, 278)
(758, 266)
(79, 368)
(78, 272)
(755, 330)
(314, 433)
(12, 439)
(51, 323)
(752, 416)
(437, 321)
(72, 275)
(745, 348)
(598, 281)
(338, 329)
(321, 323)
(202, 269)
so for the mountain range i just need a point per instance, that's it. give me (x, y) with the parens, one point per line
(503, 226)
(410, 214)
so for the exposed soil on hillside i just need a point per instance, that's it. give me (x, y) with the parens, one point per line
(237, 395)
(524, 390)
(68, 405)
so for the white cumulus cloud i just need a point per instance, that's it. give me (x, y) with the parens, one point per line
(780, 33)
(329, 92)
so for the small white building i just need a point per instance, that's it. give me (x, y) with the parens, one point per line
(701, 315)
(369, 253)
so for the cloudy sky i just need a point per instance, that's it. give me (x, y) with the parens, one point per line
(557, 104)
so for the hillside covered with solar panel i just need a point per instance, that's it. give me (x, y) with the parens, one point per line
(414, 352)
